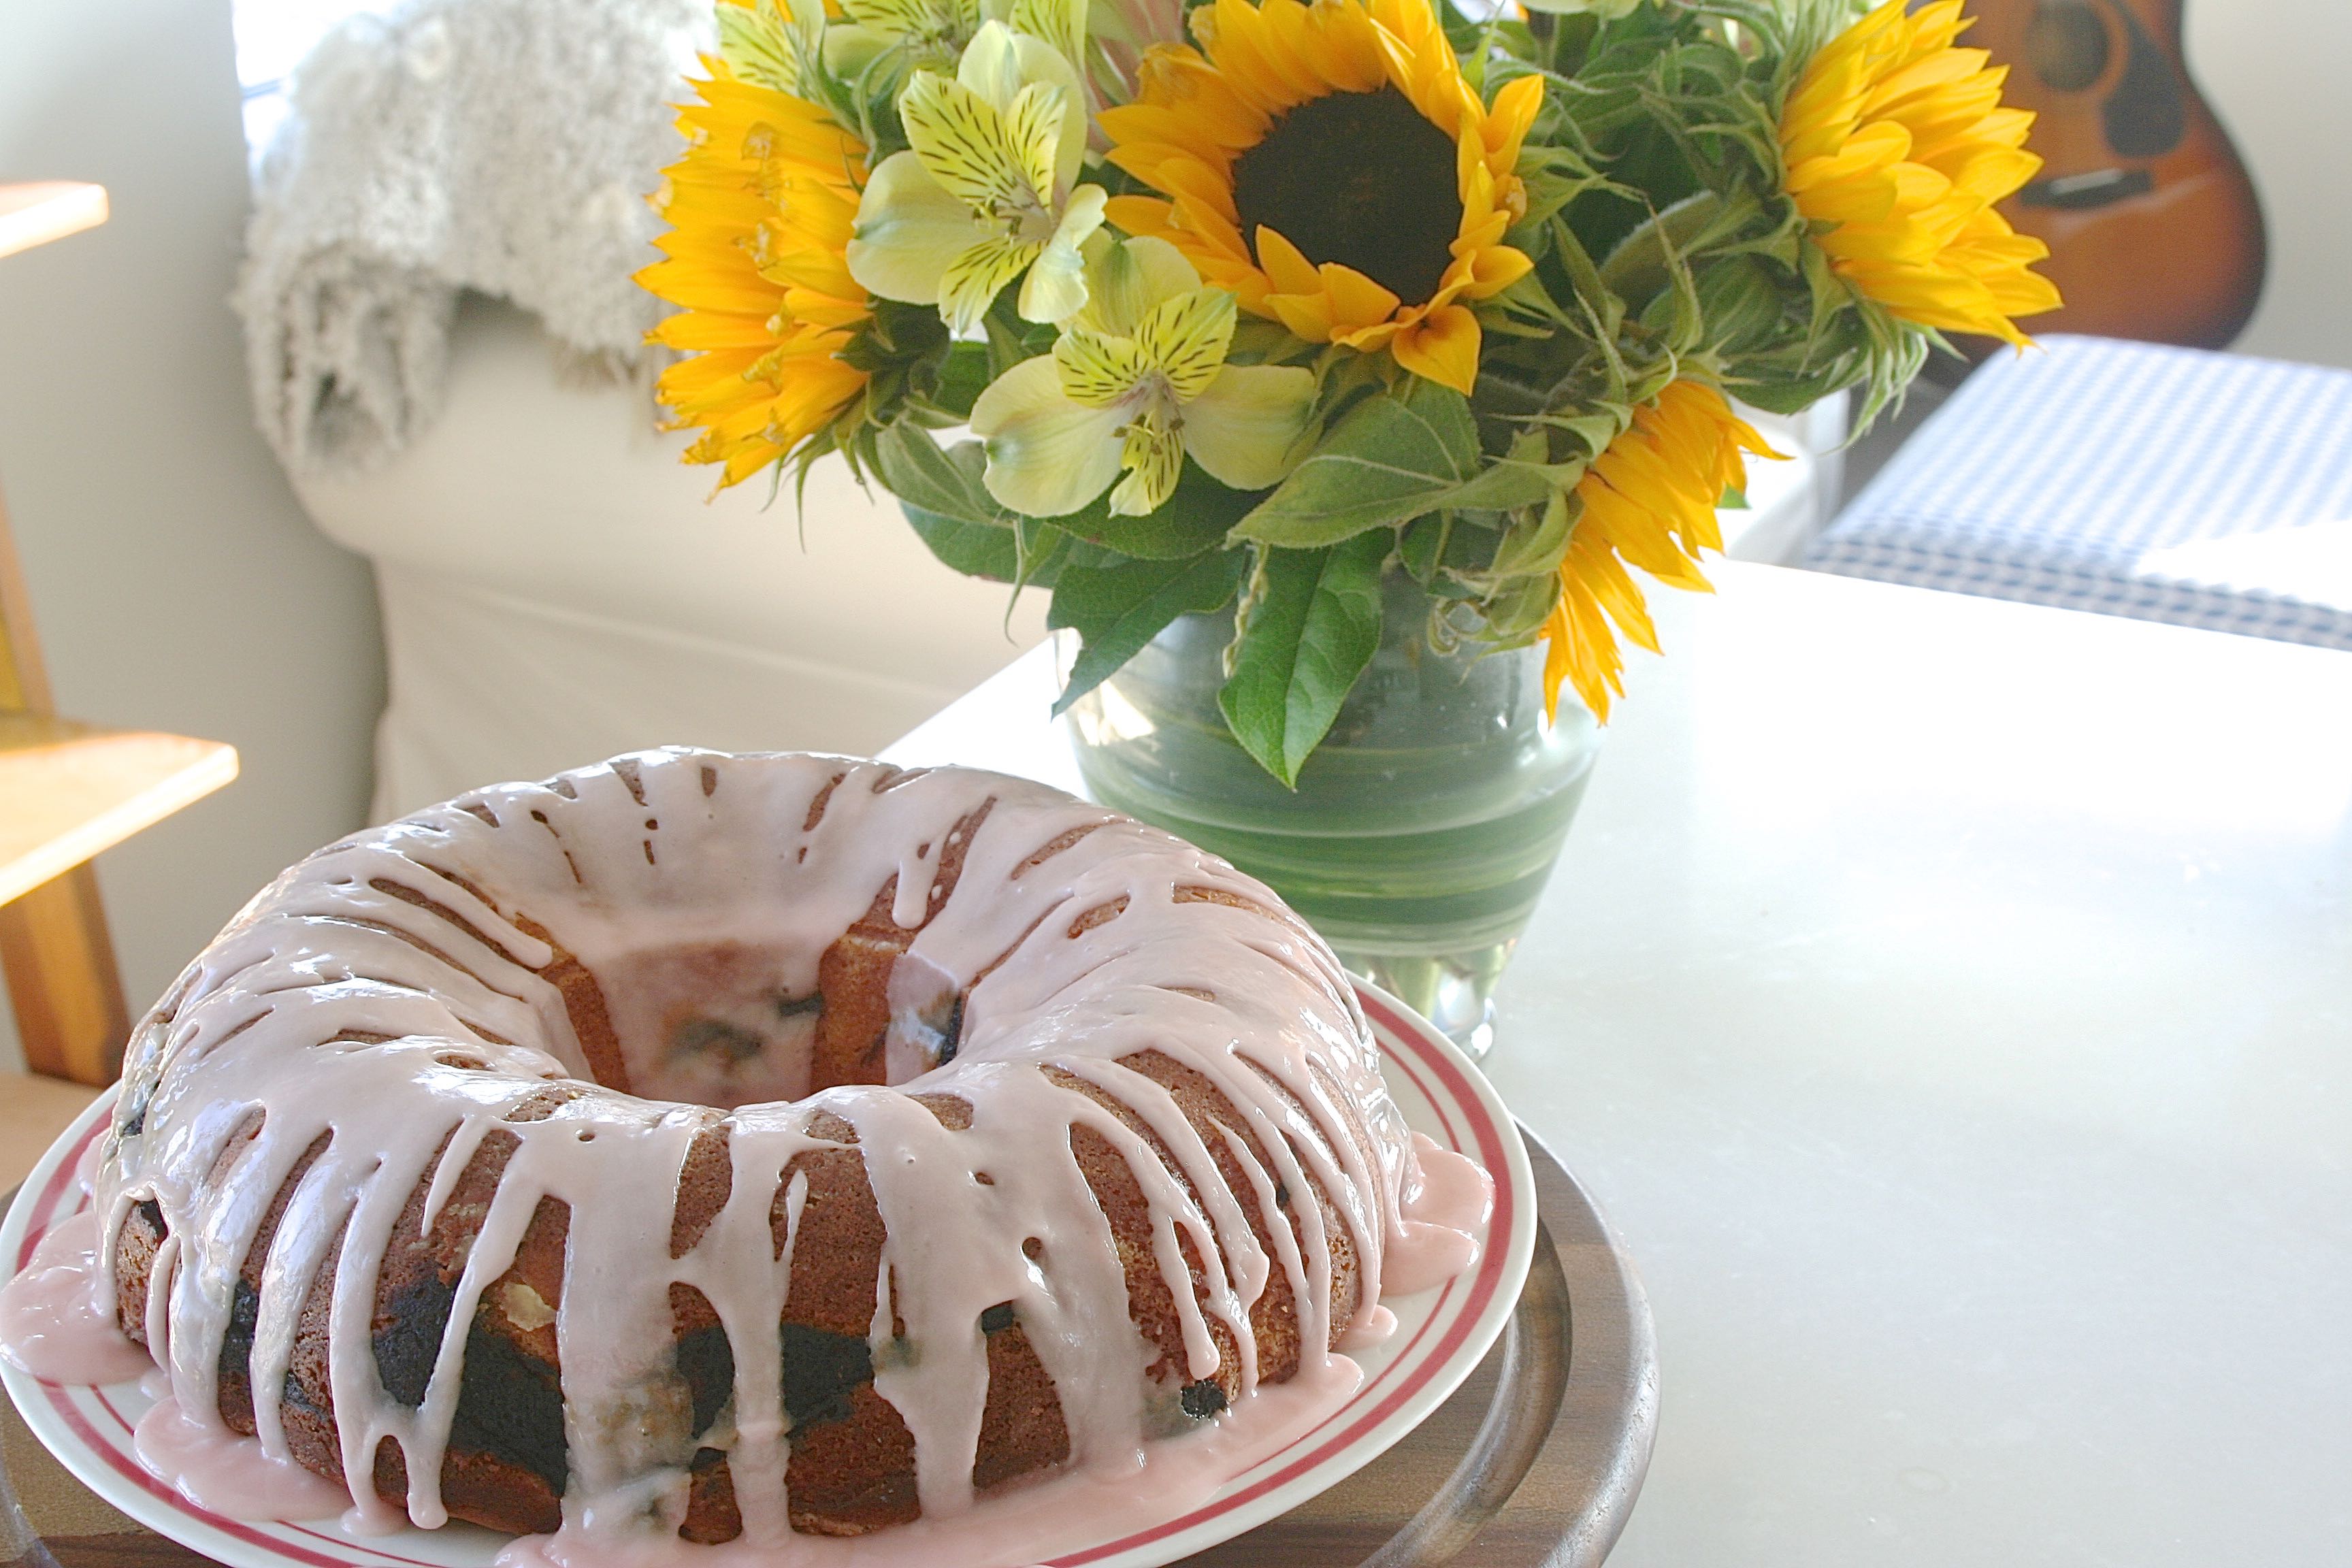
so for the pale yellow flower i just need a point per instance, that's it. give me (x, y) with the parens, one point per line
(1137, 382)
(988, 190)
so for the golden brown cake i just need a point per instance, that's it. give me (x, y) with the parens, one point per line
(718, 1148)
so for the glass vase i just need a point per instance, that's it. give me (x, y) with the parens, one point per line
(1424, 827)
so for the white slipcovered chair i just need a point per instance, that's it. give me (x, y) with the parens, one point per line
(555, 588)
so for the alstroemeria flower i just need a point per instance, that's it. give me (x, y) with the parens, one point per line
(925, 30)
(989, 187)
(1137, 381)
(771, 43)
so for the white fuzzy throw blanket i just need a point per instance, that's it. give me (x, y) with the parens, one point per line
(504, 146)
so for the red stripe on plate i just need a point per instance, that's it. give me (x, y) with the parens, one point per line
(53, 1191)
(126, 1465)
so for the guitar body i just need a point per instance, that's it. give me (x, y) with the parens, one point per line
(2153, 226)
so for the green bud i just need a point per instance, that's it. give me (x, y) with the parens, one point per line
(1741, 303)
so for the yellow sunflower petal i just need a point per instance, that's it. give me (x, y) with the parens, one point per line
(1197, 112)
(759, 210)
(1191, 178)
(1141, 215)
(1307, 315)
(694, 332)
(1287, 270)
(1494, 269)
(1509, 120)
(1897, 145)
(1356, 299)
(1441, 347)
(1213, 232)
(1647, 501)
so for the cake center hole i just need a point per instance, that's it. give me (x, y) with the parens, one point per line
(714, 1023)
(724, 1023)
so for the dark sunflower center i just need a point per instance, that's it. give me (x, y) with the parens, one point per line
(1362, 179)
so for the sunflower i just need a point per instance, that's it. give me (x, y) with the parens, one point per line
(1648, 500)
(760, 212)
(1329, 165)
(1897, 147)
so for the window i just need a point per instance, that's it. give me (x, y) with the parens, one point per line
(272, 38)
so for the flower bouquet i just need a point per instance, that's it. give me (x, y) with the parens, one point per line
(1168, 307)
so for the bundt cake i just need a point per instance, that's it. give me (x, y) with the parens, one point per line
(703, 1148)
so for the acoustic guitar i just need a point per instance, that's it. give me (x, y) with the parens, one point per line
(2153, 226)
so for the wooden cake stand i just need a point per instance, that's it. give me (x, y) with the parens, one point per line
(1535, 1461)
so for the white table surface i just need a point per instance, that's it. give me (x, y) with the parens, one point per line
(1950, 1003)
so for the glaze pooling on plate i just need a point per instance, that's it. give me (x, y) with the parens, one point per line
(393, 997)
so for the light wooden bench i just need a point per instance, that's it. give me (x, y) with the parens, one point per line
(68, 791)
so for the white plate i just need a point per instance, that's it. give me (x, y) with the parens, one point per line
(1441, 1336)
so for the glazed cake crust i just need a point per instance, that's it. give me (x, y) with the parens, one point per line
(779, 1146)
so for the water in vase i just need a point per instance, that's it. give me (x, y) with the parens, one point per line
(1422, 830)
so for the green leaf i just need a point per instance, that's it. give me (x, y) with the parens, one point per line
(1421, 544)
(1031, 555)
(1519, 607)
(962, 376)
(1308, 635)
(1742, 304)
(1118, 607)
(1040, 551)
(1448, 553)
(949, 508)
(946, 483)
(1010, 342)
(1645, 260)
(1791, 394)
(1595, 430)
(952, 512)
(1536, 543)
(1397, 458)
(1196, 518)
(1388, 460)
(975, 549)
(1505, 487)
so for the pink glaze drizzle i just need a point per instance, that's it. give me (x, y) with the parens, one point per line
(216, 1469)
(53, 1323)
(1445, 1214)
(1025, 1524)
(685, 877)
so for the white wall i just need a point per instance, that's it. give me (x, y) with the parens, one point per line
(177, 584)
(2280, 74)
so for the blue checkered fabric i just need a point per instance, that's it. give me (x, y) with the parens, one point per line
(2171, 484)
